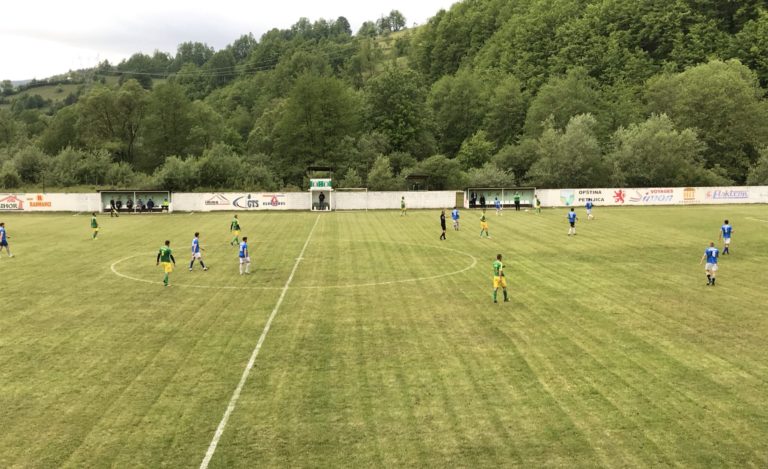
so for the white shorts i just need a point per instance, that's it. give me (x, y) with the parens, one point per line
(245, 260)
(727, 241)
(197, 255)
(589, 211)
(711, 267)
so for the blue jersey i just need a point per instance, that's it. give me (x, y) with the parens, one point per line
(455, 214)
(3, 238)
(497, 203)
(572, 217)
(195, 246)
(726, 229)
(712, 254)
(243, 249)
(589, 205)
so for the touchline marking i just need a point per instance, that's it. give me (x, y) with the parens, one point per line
(757, 219)
(254, 354)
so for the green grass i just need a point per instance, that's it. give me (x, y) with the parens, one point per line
(613, 352)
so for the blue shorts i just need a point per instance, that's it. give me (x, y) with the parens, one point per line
(4, 243)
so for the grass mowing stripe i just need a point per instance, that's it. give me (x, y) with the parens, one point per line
(236, 394)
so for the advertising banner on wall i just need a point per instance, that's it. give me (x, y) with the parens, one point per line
(619, 197)
(244, 201)
(11, 202)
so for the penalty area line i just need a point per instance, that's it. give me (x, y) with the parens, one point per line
(757, 219)
(247, 371)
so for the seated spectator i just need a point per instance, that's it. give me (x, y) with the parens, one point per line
(140, 205)
(119, 204)
(129, 204)
(150, 204)
(165, 205)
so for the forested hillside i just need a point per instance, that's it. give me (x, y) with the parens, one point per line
(550, 93)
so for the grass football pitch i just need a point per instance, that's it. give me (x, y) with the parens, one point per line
(385, 349)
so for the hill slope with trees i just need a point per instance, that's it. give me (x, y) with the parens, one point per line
(489, 93)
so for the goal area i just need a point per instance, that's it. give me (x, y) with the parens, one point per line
(351, 199)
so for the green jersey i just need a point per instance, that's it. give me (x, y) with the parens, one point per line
(235, 225)
(482, 218)
(517, 197)
(165, 254)
(94, 223)
(538, 203)
(498, 269)
(402, 203)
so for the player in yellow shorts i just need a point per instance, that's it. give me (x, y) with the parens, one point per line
(484, 227)
(499, 280)
(234, 228)
(165, 256)
(94, 226)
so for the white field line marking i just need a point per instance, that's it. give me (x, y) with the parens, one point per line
(254, 354)
(757, 219)
(310, 287)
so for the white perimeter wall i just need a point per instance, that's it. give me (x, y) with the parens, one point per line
(342, 200)
(14, 202)
(654, 196)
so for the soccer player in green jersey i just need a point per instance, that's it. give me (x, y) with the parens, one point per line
(498, 278)
(165, 255)
(94, 226)
(403, 210)
(234, 227)
(484, 226)
(538, 204)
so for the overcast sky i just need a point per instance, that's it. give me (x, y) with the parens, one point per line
(48, 37)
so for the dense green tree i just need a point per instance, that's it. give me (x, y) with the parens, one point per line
(196, 53)
(570, 158)
(517, 159)
(6, 88)
(476, 151)
(506, 111)
(441, 172)
(654, 153)
(351, 179)
(112, 119)
(396, 106)
(758, 173)
(724, 101)
(561, 98)
(61, 131)
(168, 122)
(381, 177)
(319, 112)
(459, 104)
(489, 175)
(241, 48)
(10, 130)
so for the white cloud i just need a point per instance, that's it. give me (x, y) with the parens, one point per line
(57, 36)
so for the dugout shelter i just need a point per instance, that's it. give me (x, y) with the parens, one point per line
(474, 196)
(136, 201)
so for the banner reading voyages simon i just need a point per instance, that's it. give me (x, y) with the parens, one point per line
(653, 196)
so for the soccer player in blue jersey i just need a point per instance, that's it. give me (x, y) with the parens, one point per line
(725, 234)
(710, 254)
(196, 254)
(455, 217)
(4, 240)
(589, 206)
(245, 257)
(572, 221)
(497, 204)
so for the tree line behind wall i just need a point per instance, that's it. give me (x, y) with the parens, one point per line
(489, 93)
